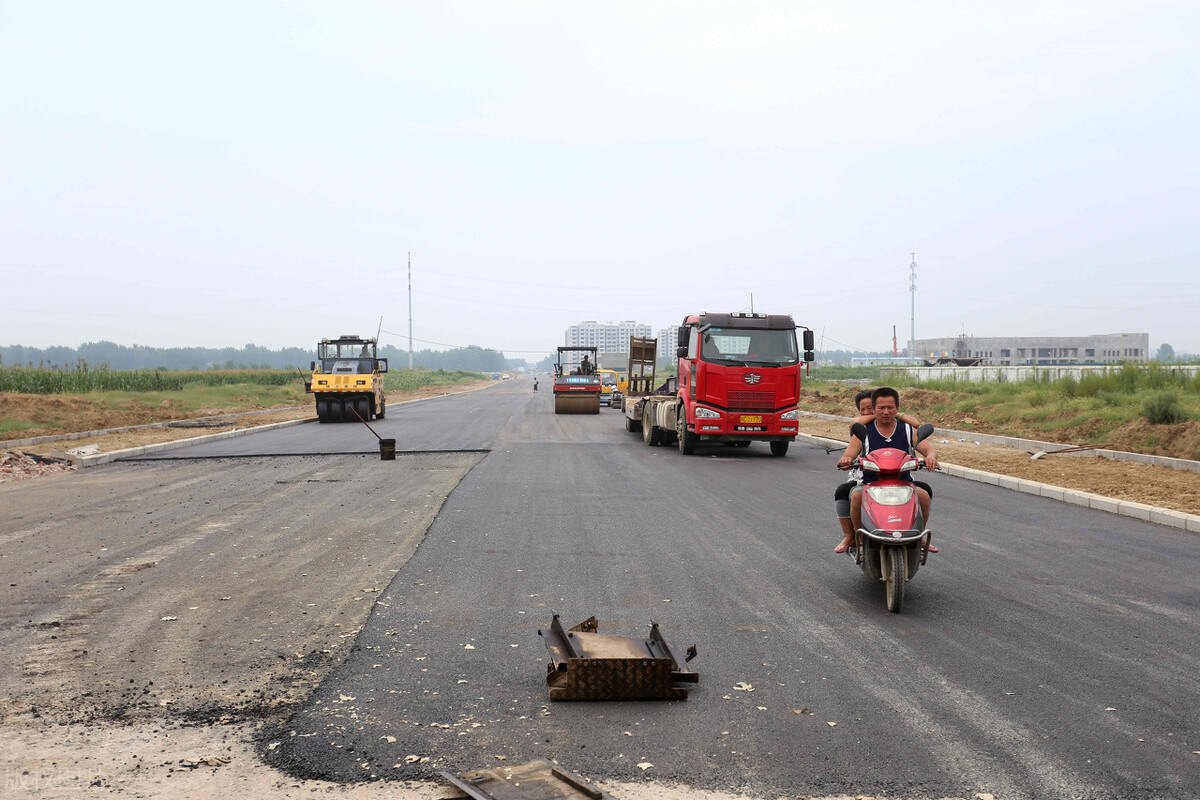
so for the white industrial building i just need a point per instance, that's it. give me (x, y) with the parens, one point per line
(1109, 348)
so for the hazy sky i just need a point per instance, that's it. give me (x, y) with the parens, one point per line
(223, 173)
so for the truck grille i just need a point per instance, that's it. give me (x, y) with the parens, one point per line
(743, 399)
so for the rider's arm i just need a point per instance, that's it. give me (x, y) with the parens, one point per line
(864, 419)
(851, 452)
(907, 420)
(930, 453)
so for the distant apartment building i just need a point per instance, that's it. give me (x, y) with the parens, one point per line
(668, 341)
(606, 337)
(1108, 348)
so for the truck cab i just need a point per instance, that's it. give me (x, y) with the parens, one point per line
(738, 382)
(739, 378)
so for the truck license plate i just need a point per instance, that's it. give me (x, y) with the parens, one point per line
(750, 419)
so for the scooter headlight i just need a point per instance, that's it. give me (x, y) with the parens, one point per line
(890, 495)
(909, 465)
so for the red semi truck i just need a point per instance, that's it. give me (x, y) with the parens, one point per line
(738, 381)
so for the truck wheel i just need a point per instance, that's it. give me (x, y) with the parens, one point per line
(632, 425)
(363, 408)
(335, 412)
(685, 438)
(650, 434)
(322, 410)
(779, 448)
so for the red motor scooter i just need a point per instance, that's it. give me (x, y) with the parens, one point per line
(893, 542)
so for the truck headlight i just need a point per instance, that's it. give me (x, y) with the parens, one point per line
(707, 413)
(890, 495)
(792, 414)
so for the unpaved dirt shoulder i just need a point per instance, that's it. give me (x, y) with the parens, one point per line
(1141, 483)
(208, 762)
(110, 442)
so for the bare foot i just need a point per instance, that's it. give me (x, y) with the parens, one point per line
(844, 545)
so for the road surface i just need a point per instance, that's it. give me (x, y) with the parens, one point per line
(1048, 650)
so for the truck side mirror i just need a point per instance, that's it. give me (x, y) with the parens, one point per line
(382, 362)
(312, 366)
(924, 432)
(681, 336)
(809, 343)
(809, 357)
(859, 430)
(681, 351)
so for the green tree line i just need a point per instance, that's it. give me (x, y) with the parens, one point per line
(251, 356)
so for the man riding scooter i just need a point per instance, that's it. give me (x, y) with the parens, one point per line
(887, 431)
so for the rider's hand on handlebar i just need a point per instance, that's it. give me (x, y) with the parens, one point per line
(845, 462)
(931, 462)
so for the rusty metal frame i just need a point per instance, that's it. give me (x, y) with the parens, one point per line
(536, 780)
(587, 665)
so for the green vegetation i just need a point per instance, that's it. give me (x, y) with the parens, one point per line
(409, 379)
(12, 424)
(82, 379)
(1162, 408)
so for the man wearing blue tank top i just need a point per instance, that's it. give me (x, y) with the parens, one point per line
(888, 431)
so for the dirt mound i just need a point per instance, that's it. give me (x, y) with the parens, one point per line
(1142, 436)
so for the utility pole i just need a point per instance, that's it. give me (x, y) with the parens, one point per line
(410, 360)
(912, 288)
(752, 302)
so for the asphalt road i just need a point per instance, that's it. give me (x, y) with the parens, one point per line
(1047, 651)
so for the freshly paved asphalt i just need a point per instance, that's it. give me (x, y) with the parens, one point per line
(1048, 651)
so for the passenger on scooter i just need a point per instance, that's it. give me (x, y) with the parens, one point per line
(841, 495)
(887, 431)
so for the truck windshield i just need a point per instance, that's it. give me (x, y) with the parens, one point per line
(749, 348)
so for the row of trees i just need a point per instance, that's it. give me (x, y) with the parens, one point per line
(251, 356)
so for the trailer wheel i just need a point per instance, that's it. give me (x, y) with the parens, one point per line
(651, 435)
(322, 410)
(779, 448)
(632, 425)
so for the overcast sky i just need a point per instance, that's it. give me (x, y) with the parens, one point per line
(217, 174)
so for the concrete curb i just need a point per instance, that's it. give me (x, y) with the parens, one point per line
(104, 458)
(59, 437)
(1124, 508)
(1034, 444)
